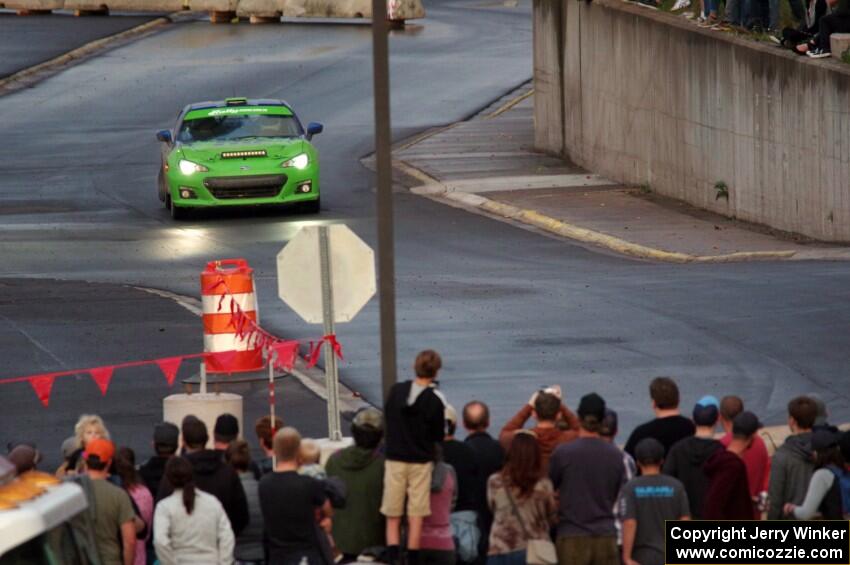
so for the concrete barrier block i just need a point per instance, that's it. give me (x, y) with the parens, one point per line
(206, 407)
(34, 6)
(259, 9)
(326, 8)
(215, 5)
(840, 43)
(148, 5)
(405, 10)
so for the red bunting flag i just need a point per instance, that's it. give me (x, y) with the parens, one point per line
(101, 377)
(285, 354)
(221, 362)
(316, 349)
(42, 386)
(169, 367)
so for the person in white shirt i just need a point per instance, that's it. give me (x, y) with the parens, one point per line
(190, 526)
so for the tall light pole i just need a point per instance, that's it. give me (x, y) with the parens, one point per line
(386, 253)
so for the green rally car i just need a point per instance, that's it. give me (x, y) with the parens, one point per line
(238, 152)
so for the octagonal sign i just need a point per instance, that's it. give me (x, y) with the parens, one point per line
(299, 273)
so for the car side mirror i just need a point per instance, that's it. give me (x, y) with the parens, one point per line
(164, 135)
(314, 128)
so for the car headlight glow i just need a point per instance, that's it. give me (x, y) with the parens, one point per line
(299, 161)
(188, 167)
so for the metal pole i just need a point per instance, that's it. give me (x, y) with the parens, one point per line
(271, 359)
(331, 374)
(386, 260)
(203, 386)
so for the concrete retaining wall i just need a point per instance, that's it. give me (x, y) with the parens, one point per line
(650, 98)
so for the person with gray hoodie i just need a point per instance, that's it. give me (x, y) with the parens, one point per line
(793, 464)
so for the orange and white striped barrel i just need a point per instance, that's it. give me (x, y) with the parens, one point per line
(224, 282)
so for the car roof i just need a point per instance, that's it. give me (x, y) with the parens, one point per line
(248, 102)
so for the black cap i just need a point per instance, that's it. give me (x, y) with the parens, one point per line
(745, 424)
(166, 434)
(226, 426)
(609, 424)
(649, 451)
(591, 405)
(824, 439)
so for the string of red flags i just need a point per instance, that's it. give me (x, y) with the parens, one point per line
(281, 353)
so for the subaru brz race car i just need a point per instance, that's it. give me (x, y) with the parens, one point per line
(238, 152)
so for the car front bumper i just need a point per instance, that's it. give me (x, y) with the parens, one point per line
(265, 187)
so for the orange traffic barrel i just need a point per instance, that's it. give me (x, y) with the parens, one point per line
(227, 287)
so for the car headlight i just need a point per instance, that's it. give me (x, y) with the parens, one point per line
(299, 162)
(188, 167)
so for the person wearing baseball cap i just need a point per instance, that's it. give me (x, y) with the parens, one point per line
(686, 458)
(165, 441)
(112, 507)
(644, 516)
(728, 495)
(588, 473)
(755, 457)
(361, 467)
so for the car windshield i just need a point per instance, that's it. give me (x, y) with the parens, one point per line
(234, 127)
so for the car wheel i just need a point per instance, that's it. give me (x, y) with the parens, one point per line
(178, 212)
(311, 207)
(162, 189)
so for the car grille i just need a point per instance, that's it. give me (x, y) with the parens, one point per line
(257, 186)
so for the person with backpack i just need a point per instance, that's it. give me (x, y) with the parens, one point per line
(828, 495)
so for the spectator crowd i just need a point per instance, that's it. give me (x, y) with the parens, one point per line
(551, 487)
(812, 21)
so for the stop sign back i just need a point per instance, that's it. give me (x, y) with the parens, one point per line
(352, 273)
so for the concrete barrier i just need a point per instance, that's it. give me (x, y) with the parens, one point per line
(397, 10)
(206, 406)
(26, 7)
(839, 43)
(649, 98)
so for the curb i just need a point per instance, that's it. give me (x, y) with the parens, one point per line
(436, 190)
(27, 77)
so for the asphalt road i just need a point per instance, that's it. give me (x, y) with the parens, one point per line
(30, 40)
(509, 309)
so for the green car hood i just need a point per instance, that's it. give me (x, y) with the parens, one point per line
(202, 152)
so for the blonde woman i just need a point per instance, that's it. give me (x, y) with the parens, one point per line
(88, 427)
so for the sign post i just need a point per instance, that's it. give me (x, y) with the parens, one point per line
(329, 291)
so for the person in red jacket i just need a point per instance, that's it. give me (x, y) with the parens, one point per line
(556, 424)
(728, 495)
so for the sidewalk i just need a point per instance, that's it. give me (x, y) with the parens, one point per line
(487, 165)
